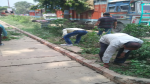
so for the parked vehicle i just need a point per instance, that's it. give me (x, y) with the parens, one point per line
(50, 16)
(9, 11)
(129, 11)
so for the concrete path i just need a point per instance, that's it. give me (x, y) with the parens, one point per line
(26, 61)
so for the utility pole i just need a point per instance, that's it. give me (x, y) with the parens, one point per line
(8, 4)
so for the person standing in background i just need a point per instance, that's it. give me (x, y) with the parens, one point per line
(106, 24)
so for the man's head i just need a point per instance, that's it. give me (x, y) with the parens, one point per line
(106, 14)
(132, 45)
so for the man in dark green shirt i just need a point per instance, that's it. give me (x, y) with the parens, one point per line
(2, 30)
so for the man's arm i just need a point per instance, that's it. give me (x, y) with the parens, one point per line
(108, 53)
(4, 31)
(123, 53)
(64, 32)
(115, 24)
(111, 49)
(61, 39)
(97, 23)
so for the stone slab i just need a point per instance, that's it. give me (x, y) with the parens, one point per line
(26, 47)
(65, 73)
(33, 61)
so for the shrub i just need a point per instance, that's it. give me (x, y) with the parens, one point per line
(137, 30)
(143, 52)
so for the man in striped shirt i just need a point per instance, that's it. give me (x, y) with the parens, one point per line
(106, 23)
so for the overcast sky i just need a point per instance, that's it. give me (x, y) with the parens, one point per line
(11, 2)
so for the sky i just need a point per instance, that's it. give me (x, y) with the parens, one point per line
(12, 2)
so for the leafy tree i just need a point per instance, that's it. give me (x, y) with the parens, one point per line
(78, 5)
(22, 7)
(3, 8)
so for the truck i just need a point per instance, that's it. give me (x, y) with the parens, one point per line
(6, 12)
(128, 12)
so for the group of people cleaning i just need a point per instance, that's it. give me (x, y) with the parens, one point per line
(109, 43)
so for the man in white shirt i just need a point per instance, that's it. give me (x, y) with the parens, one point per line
(111, 42)
(68, 32)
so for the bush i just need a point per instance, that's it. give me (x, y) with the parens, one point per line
(91, 39)
(64, 23)
(143, 52)
(21, 19)
(137, 30)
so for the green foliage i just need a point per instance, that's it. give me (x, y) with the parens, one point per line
(21, 19)
(90, 50)
(3, 8)
(12, 34)
(90, 40)
(137, 69)
(138, 66)
(22, 7)
(78, 5)
(137, 30)
(64, 23)
(38, 6)
(142, 53)
(90, 43)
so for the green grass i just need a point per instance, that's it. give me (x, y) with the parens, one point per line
(35, 28)
(12, 34)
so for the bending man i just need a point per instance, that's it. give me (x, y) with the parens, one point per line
(68, 32)
(111, 42)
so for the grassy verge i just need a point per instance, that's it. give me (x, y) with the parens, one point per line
(139, 59)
